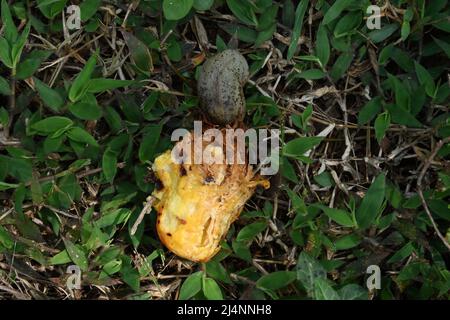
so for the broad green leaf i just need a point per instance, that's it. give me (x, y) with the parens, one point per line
(276, 280)
(348, 24)
(250, 231)
(311, 74)
(203, 5)
(353, 292)
(6, 186)
(382, 123)
(243, 10)
(370, 110)
(88, 8)
(176, 10)
(339, 216)
(324, 291)
(17, 47)
(298, 24)
(191, 286)
(10, 29)
(322, 45)
(76, 254)
(341, 65)
(60, 258)
(149, 141)
(401, 116)
(300, 146)
(211, 289)
(347, 242)
(80, 135)
(52, 124)
(445, 46)
(379, 35)
(372, 203)
(6, 239)
(109, 164)
(5, 53)
(86, 109)
(4, 87)
(101, 85)
(81, 82)
(425, 79)
(140, 53)
(49, 96)
(309, 271)
(335, 10)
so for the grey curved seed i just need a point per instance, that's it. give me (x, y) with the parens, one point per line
(220, 86)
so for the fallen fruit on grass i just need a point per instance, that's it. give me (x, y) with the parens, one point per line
(196, 203)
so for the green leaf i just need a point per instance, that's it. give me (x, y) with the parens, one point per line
(80, 135)
(311, 74)
(4, 87)
(216, 270)
(323, 291)
(297, 31)
(203, 5)
(10, 29)
(276, 280)
(401, 116)
(5, 53)
(370, 110)
(149, 141)
(129, 274)
(241, 249)
(81, 82)
(191, 286)
(176, 10)
(425, 79)
(347, 24)
(341, 65)
(402, 97)
(347, 242)
(268, 18)
(299, 146)
(265, 35)
(379, 35)
(406, 29)
(17, 47)
(440, 208)
(309, 271)
(322, 45)
(140, 53)
(101, 85)
(60, 258)
(250, 231)
(372, 202)
(88, 8)
(243, 11)
(6, 186)
(353, 292)
(52, 124)
(381, 125)
(30, 65)
(5, 238)
(4, 117)
(335, 10)
(443, 45)
(339, 216)
(86, 109)
(49, 96)
(76, 254)
(211, 289)
(109, 164)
